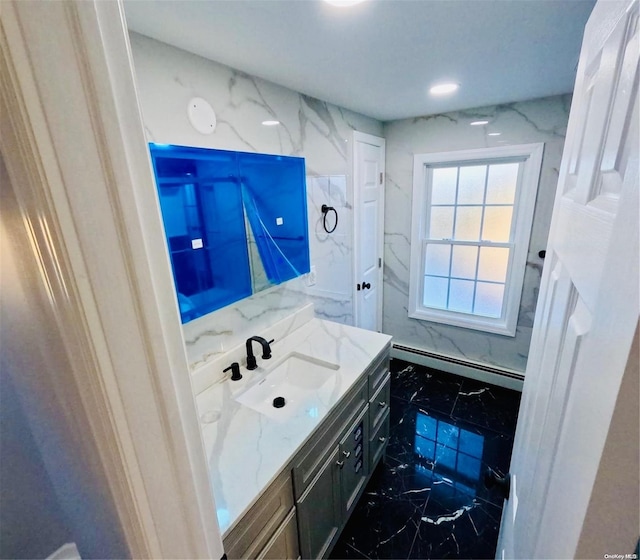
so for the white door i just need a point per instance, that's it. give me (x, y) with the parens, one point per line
(588, 305)
(368, 198)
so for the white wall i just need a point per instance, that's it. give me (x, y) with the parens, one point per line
(51, 492)
(541, 120)
(167, 78)
(31, 519)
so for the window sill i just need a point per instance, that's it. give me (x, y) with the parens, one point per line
(465, 321)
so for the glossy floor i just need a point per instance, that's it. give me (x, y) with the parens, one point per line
(427, 499)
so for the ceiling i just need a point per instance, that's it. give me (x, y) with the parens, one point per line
(380, 57)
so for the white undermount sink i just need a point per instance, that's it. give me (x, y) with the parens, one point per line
(295, 378)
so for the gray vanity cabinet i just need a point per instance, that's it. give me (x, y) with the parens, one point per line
(380, 391)
(379, 404)
(378, 441)
(326, 481)
(329, 475)
(353, 463)
(319, 515)
(354, 442)
(327, 502)
(284, 544)
(264, 526)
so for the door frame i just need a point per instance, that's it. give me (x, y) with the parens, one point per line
(364, 138)
(111, 294)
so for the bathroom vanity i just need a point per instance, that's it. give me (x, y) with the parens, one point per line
(285, 480)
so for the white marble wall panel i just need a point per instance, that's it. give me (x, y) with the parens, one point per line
(211, 335)
(541, 120)
(332, 292)
(167, 78)
(212, 371)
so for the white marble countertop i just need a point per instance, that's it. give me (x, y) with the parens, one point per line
(246, 450)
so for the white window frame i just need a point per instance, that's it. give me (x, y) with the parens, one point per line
(522, 220)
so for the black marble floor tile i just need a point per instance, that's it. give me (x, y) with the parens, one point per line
(456, 526)
(427, 498)
(345, 551)
(402, 431)
(453, 449)
(396, 480)
(424, 387)
(380, 527)
(487, 406)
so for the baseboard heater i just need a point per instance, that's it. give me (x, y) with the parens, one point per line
(465, 368)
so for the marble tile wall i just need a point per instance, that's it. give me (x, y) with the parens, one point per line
(332, 292)
(167, 78)
(540, 120)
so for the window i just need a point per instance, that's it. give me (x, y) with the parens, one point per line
(472, 216)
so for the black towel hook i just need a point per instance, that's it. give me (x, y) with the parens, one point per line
(325, 210)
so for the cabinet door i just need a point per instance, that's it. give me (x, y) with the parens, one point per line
(259, 524)
(319, 516)
(378, 442)
(284, 544)
(378, 371)
(353, 463)
(310, 460)
(379, 404)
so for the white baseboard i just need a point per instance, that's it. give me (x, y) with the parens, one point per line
(502, 377)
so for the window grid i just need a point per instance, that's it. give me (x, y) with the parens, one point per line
(452, 242)
(467, 205)
(475, 279)
(505, 198)
(467, 279)
(450, 265)
(484, 200)
(453, 232)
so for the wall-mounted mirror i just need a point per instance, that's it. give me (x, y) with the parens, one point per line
(236, 223)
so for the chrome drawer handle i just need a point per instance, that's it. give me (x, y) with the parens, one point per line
(346, 454)
(340, 463)
(382, 404)
(382, 439)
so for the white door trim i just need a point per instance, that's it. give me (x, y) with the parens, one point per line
(379, 142)
(73, 141)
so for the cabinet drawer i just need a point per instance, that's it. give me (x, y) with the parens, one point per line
(378, 442)
(378, 371)
(284, 544)
(313, 455)
(379, 405)
(258, 525)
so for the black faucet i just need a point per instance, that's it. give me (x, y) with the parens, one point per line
(266, 351)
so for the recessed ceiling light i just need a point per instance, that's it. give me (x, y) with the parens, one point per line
(270, 123)
(494, 133)
(444, 88)
(478, 123)
(343, 3)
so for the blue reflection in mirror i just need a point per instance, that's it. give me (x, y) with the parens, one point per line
(207, 198)
(273, 198)
(201, 203)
